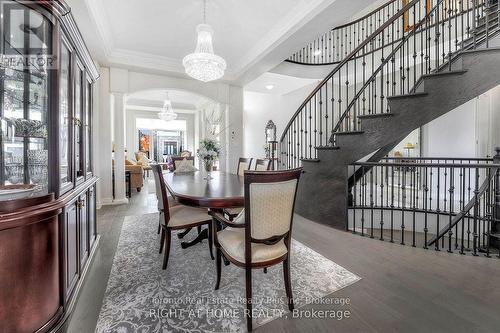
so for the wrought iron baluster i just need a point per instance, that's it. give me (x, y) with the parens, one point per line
(392, 204)
(476, 214)
(438, 211)
(382, 203)
(426, 190)
(452, 199)
(403, 206)
(371, 203)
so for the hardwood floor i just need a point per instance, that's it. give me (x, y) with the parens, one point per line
(403, 289)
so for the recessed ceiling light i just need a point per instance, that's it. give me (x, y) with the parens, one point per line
(269, 87)
(317, 52)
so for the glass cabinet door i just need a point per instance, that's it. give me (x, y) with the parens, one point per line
(64, 118)
(25, 39)
(88, 128)
(78, 120)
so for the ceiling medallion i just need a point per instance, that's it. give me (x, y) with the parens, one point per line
(203, 64)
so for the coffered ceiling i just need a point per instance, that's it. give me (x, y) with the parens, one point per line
(155, 35)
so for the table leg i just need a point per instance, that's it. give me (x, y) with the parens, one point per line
(181, 235)
(204, 234)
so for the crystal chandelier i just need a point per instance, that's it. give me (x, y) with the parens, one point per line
(203, 64)
(167, 113)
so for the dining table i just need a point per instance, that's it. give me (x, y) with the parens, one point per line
(223, 190)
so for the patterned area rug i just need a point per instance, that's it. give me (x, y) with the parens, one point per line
(141, 297)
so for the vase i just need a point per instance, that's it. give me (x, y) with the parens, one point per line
(209, 165)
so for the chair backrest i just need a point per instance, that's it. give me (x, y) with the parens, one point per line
(157, 187)
(177, 159)
(243, 164)
(142, 158)
(262, 165)
(269, 206)
(161, 191)
(185, 153)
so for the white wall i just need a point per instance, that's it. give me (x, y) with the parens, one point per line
(259, 108)
(468, 131)
(451, 135)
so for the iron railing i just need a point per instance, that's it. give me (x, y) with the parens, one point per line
(333, 46)
(428, 38)
(444, 203)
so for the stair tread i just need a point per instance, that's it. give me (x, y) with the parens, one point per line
(350, 133)
(376, 115)
(418, 94)
(311, 160)
(490, 49)
(458, 72)
(327, 147)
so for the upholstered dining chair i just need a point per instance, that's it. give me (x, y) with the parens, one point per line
(178, 159)
(177, 217)
(185, 153)
(262, 165)
(261, 236)
(244, 164)
(171, 201)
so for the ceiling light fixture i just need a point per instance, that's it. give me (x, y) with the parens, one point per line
(203, 64)
(167, 113)
(269, 87)
(317, 52)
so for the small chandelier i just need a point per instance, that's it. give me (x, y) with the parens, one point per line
(167, 113)
(203, 64)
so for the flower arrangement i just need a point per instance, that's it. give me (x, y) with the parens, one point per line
(209, 153)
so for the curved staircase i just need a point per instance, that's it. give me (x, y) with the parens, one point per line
(425, 60)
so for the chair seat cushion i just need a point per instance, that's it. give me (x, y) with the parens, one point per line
(184, 215)
(232, 241)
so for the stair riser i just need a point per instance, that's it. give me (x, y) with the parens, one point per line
(445, 93)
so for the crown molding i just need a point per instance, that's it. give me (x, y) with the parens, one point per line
(98, 17)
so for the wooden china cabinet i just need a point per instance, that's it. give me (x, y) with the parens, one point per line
(47, 186)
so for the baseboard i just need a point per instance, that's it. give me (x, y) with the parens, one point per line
(120, 201)
(104, 202)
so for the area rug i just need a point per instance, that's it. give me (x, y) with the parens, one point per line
(141, 297)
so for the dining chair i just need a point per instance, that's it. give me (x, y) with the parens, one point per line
(261, 236)
(185, 153)
(262, 165)
(177, 159)
(244, 164)
(171, 201)
(178, 217)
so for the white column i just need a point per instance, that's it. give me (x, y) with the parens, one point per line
(234, 121)
(119, 141)
(102, 139)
